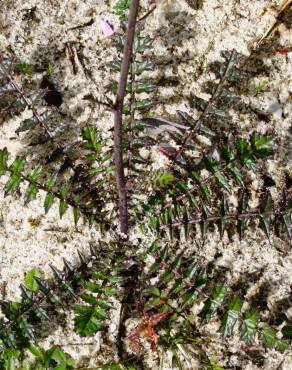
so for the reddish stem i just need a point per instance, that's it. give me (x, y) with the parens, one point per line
(118, 132)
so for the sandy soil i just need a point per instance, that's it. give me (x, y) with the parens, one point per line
(185, 42)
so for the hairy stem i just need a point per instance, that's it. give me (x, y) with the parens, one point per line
(118, 134)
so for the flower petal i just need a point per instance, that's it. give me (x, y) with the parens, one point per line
(106, 29)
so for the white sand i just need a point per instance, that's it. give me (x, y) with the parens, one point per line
(219, 25)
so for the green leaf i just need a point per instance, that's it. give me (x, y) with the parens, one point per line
(104, 304)
(235, 172)
(109, 291)
(270, 340)
(17, 165)
(141, 87)
(155, 291)
(51, 181)
(142, 44)
(29, 280)
(281, 345)
(36, 172)
(49, 200)
(189, 297)
(245, 153)
(190, 272)
(262, 145)
(265, 220)
(30, 194)
(76, 215)
(27, 124)
(199, 103)
(164, 178)
(88, 298)
(166, 277)
(57, 359)
(211, 164)
(91, 138)
(227, 153)
(178, 286)
(287, 222)
(206, 193)
(116, 65)
(231, 316)
(121, 8)
(269, 337)
(222, 182)
(141, 66)
(63, 205)
(87, 323)
(10, 358)
(36, 351)
(12, 184)
(224, 210)
(214, 302)
(242, 208)
(249, 326)
(3, 161)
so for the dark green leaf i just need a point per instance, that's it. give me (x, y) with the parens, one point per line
(249, 326)
(76, 215)
(12, 184)
(222, 182)
(189, 297)
(87, 323)
(235, 172)
(245, 153)
(142, 44)
(62, 207)
(3, 161)
(242, 209)
(214, 302)
(265, 220)
(49, 200)
(231, 316)
(141, 66)
(30, 194)
(262, 145)
(287, 331)
(287, 222)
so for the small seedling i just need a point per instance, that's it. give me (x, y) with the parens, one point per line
(261, 87)
(24, 68)
(51, 69)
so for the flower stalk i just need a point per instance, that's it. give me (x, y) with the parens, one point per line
(118, 134)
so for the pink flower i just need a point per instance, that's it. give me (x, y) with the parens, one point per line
(106, 28)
